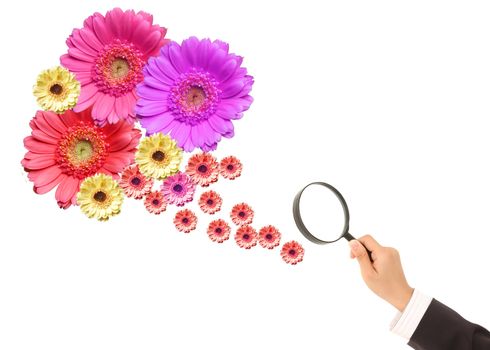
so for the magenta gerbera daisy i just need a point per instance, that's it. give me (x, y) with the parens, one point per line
(230, 167)
(178, 189)
(107, 56)
(64, 149)
(219, 231)
(246, 237)
(203, 169)
(210, 202)
(155, 202)
(269, 237)
(292, 252)
(185, 220)
(193, 91)
(242, 214)
(134, 183)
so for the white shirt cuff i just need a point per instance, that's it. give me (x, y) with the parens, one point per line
(404, 324)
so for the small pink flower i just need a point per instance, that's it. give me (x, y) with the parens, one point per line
(185, 220)
(242, 214)
(292, 252)
(246, 237)
(230, 168)
(210, 202)
(155, 203)
(219, 231)
(203, 169)
(269, 237)
(178, 189)
(134, 183)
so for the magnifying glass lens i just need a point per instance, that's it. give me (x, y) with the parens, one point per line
(322, 213)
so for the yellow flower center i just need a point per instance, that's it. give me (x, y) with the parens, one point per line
(119, 68)
(195, 96)
(83, 150)
(100, 196)
(158, 156)
(56, 89)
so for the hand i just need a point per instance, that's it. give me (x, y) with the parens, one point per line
(384, 276)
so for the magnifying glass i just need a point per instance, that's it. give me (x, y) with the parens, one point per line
(322, 208)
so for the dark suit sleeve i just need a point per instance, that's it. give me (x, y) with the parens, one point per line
(441, 328)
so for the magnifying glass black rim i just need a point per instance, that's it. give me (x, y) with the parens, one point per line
(299, 221)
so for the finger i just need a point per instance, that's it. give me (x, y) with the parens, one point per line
(362, 257)
(370, 243)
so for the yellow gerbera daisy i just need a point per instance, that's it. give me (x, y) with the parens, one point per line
(158, 156)
(56, 89)
(100, 197)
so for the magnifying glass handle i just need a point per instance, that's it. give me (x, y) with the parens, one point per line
(349, 237)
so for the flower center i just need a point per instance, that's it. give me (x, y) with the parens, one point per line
(178, 188)
(292, 252)
(230, 167)
(81, 151)
(209, 202)
(241, 214)
(118, 68)
(100, 196)
(135, 181)
(194, 97)
(218, 230)
(185, 220)
(56, 89)
(268, 236)
(246, 236)
(155, 202)
(202, 168)
(158, 156)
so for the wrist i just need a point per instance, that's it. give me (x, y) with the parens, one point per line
(402, 298)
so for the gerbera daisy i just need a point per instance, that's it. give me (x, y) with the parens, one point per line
(178, 189)
(155, 202)
(269, 237)
(219, 231)
(203, 169)
(56, 89)
(158, 156)
(210, 202)
(246, 237)
(185, 220)
(292, 252)
(134, 183)
(242, 214)
(193, 91)
(100, 197)
(65, 149)
(107, 56)
(230, 168)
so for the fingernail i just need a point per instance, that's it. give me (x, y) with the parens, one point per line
(354, 245)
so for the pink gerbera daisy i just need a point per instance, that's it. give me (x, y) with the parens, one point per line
(134, 183)
(246, 237)
(178, 189)
(230, 168)
(203, 169)
(107, 57)
(155, 203)
(219, 231)
(292, 252)
(210, 202)
(67, 148)
(185, 220)
(242, 214)
(269, 237)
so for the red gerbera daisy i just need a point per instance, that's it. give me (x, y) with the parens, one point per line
(230, 168)
(292, 252)
(269, 237)
(246, 237)
(185, 220)
(219, 231)
(242, 214)
(155, 203)
(203, 169)
(64, 149)
(210, 202)
(134, 183)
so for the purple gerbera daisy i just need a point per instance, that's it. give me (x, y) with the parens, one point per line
(193, 91)
(178, 189)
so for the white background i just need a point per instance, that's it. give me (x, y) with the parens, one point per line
(387, 100)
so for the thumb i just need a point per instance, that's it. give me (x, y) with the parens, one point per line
(360, 253)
